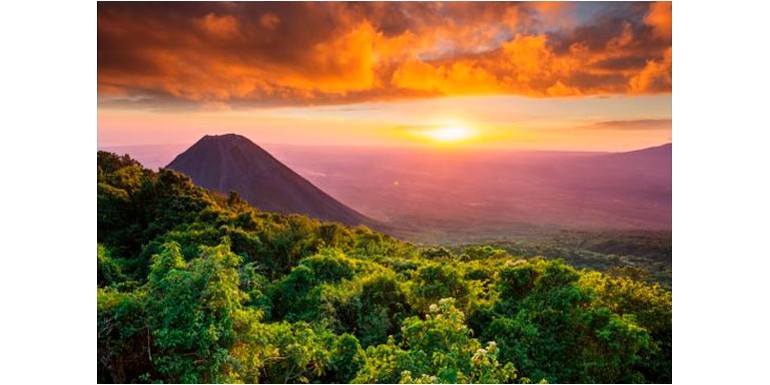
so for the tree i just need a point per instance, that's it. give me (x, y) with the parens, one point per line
(197, 314)
(438, 349)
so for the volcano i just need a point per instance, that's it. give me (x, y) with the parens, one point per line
(232, 162)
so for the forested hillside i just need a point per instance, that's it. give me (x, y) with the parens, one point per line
(197, 287)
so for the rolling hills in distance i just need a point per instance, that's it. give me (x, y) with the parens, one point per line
(434, 195)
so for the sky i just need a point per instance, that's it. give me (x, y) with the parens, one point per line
(561, 76)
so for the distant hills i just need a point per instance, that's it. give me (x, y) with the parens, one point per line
(234, 163)
(471, 195)
(659, 156)
(432, 196)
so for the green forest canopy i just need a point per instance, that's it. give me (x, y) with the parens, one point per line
(199, 287)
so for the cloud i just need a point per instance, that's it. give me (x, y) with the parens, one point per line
(225, 26)
(251, 54)
(655, 77)
(659, 17)
(632, 125)
(269, 21)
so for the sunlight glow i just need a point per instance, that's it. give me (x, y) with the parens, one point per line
(450, 134)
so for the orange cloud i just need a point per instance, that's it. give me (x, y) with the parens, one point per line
(220, 26)
(269, 20)
(559, 89)
(623, 40)
(457, 78)
(659, 17)
(343, 64)
(655, 77)
(632, 125)
(289, 53)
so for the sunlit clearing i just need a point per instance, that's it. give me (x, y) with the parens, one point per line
(450, 134)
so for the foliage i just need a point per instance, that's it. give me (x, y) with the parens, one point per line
(643, 255)
(439, 349)
(555, 329)
(434, 281)
(199, 287)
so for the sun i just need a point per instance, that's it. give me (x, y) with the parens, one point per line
(450, 134)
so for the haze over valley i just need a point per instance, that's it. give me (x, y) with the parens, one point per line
(438, 195)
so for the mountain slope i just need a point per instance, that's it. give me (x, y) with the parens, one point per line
(652, 157)
(234, 163)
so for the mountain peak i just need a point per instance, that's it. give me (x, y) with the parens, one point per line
(232, 162)
(226, 138)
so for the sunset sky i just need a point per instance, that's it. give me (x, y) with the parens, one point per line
(567, 76)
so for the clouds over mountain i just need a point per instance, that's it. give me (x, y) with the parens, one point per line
(249, 54)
